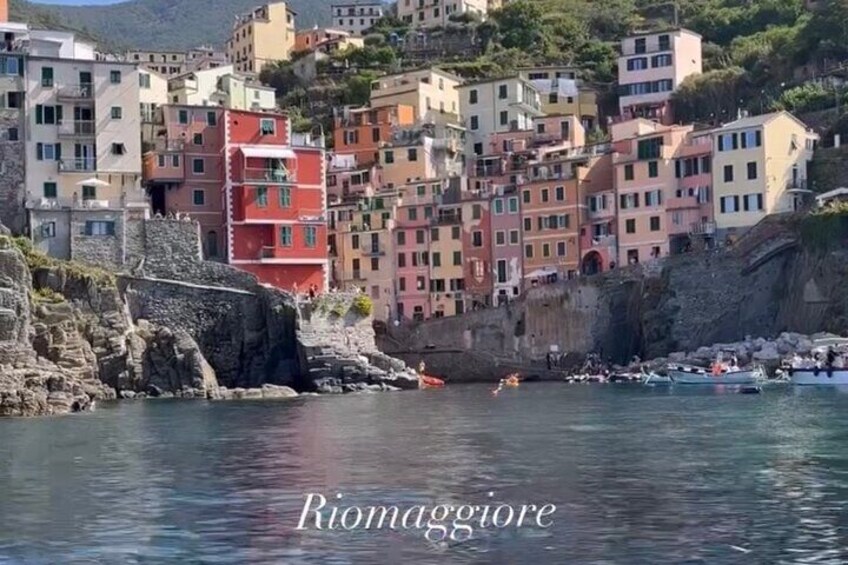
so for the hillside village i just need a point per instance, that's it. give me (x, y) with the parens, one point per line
(389, 153)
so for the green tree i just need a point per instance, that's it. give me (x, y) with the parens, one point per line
(520, 25)
(715, 96)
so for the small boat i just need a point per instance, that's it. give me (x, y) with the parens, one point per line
(818, 377)
(682, 375)
(426, 381)
(654, 379)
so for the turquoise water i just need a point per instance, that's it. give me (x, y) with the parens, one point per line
(638, 475)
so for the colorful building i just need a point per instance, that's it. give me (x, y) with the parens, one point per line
(561, 93)
(689, 205)
(760, 166)
(598, 224)
(361, 131)
(507, 263)
(325, 40)
(651, 67)
(417, 13)
(347, 181)
(173, 63)
(422, 152)
(429, 91)
(356, 17)
(220, 86)
(262, 37)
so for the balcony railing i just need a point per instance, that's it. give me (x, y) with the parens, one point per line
(163, 145)
(703, 228)
(77, 165)
(14, 46)
(77, 92)
(373, 250)
(446, 219)
(75, 203)
(273, 176)
(76, 128)
(797, 184)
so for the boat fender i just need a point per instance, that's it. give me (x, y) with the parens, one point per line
(816, 371)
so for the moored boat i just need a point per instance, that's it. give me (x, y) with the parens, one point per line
(654, 379)
(682, 375)
(818, 377)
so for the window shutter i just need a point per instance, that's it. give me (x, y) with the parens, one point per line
(39, 114)
(723, 204)
(736, 203)
(58, 114)
(758, 138)
(759, 201)
(110, 228)
(58, 151)
(39, 151)
(88, 228)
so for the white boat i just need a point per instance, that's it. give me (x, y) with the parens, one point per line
(818, 377)
(653, 379)
(682, 375)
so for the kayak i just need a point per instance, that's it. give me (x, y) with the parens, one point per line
(426, 381)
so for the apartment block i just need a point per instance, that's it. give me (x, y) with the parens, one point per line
(507, 249)
(152, 95)
(426, 13)
(173, 63)
(326, 40)
(416, 153)
(651, 67)
(262, 37)
(760, 166)
(221, 86)
(690, 218)
(644, 160)
(477, 248)
(598, 223)
(428, 91)
(361, 131)
(496, 106)
(561, 93)
(347, 182)
(356, 17)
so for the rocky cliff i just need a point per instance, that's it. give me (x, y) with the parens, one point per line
(787, 274)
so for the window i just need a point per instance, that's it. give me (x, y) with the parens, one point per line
(504, 117)
(198, 139)
(546, 250)
(401, 238)
(419, 237)
(199, 197)
(119, 149)
(457, 258)
(262, 196)
(183, 116)
(455, 233)
(375, 263)
(545, 195)
(526, 196)
(12, 133)
(47, 77)
(653, 169)
(664, 42)
(115, 77)
(628, 172)
(266, 126)
(14, 99)
(401, 260)
(389, 157)
(499, 206)
(99, 227)
(513, 237)
(752, 170)
(500, 238)
(48, 114)
(729, 204)
(175, 160)
(48, 151)
(630, 226)
(402, 284)
(528, 224)
(728, 173)
(143, 80)
(412, 214)
(503, 91)
(437, 259)
(211, 118)
(528, 251)
(48, 230)
(655, 223)
(648, 149)
(637, 64)
(706, 164)
(513, 205)
(310, 234)
(198, 166)
(434, 234)
(560, 193)
(50, 190)
(752, 202)
(477, 239)
(661, 61)
(472, 96)
(412, 154)
(285, 236)
(561, 250)
(89, 192)
(476, 212)
(285, 197)
(501, 271)
(475, 123)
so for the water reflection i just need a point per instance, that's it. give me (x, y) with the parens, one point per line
(639, 475)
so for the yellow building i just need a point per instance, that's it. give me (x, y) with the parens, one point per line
(261, 37)
(760, 167)
(562, 93)
(362, 250)
(429, 91)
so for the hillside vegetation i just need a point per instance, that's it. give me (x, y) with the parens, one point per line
(159, 24)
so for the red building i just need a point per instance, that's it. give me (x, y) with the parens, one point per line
(477, 248)
(276, 202)
(258, 191)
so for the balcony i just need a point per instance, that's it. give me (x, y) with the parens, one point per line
(76, 128)
(588, 242)
(268, 176)
(371, 250)
(703, 228)
(14, 46)
(165, 145)
(446, 219)
(798, 185)
(77, 166)
(72, 203)
(682, 203)
(76, 92)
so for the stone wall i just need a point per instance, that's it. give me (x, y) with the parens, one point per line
(100, 250)
(12, 179)
(774, 281)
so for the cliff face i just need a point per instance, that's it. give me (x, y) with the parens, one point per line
(776, 279)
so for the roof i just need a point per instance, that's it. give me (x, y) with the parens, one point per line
(494, 79)
(663, 30)
(758, 121)
(835, 193)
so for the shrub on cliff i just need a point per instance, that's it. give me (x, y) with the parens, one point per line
(37, 260)
(363, 305)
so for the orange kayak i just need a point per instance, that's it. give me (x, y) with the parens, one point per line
(426, 381)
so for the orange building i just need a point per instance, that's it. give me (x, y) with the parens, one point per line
(4, 10)
(360, 131)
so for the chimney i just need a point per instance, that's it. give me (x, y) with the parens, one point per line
(4, 10)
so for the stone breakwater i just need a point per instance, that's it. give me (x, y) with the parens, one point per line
(170, 326)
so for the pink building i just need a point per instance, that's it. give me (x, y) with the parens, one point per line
(689, 205)
(346, 180)
(598, 224)
(415, 213)
(644, 172)
(651, 67)
(506, 244)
